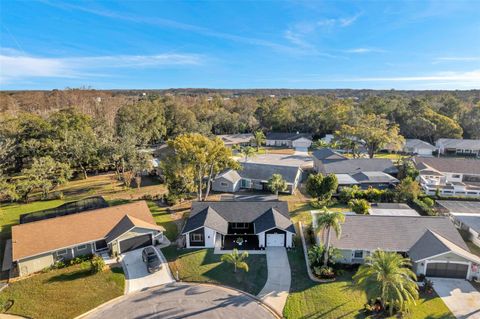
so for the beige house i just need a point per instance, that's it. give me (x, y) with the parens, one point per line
(114, 230)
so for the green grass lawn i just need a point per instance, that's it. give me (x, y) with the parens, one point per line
(163, 217)
(63, 293)
(202, 265)
(337, 299)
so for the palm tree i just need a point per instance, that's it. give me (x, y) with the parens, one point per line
(259, 139)
(387, 276)
(326, 221)
(276, 184)
(236, 259)
(247, 152)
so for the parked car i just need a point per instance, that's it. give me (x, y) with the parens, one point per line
(151, 259)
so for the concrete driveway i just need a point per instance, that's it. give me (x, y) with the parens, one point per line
(275, 291)
(136, 275)
(460, 296)
(181, 300)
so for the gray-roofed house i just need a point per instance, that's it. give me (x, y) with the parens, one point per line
(418, 147)
(454, 146)
(255, 176)
(298, 141)
(465, 215)
(242, 139)
(245, 225)
(432, 243)
(364, 172)
(450, 176)
(391, 209)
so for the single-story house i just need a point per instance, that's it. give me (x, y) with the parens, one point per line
(465, 215)
(255, 176)
(451, 176)
(391, 209)
(432, 243)
(455, 146)
(236, 139)
(298, 141)
(364, 172)
(418, 147)
(118, 229)
(245, 225)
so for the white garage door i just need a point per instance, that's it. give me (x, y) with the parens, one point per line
(275, 240)
(301, 149)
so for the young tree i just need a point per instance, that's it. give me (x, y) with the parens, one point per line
(259, 139)
(359, 206)
(236, 259)
(276, 184)
(247, 152)
(387, 276)
(408, 190)
(320, 187)
(327, 221)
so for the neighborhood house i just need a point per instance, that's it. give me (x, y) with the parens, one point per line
(298, 141)
(114, 230)
(465, 215)
(418, 147)
(246, 225)
(236, 139)
(452, 146)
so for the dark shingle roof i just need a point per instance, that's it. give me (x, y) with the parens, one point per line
(287, 136)
(127, 223)
(392, 233)
(353, 166)
(265, 171)
(327, 155)
(374, 177)
(428, 245)
(217, 215)
(450, 165)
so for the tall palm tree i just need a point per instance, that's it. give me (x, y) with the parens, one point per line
(276, 184)
(236, 259)
(329, 220)
(259, 139)
(387, 276)
(247, 152)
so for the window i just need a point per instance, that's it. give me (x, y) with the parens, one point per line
(456, 176)
(82, 247)
(358, 254)
(62, 252)
(197, 237)
(224, 184)
(239, 225)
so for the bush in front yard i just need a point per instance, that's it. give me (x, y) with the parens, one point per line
(97, 264)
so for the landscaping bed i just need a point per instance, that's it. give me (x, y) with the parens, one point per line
(202, 265)
(63, 293)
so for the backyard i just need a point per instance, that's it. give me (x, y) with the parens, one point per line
(62, 293)
(202, 265)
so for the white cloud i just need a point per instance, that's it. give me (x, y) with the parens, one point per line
(364, 50)
(15, 65)
(457, 59)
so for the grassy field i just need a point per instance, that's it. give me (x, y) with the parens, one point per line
(202, 265)
(337, 299)
(63, 293)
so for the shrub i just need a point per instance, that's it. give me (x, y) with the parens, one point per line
(97, 264)
(427, 286)
(423, 208)
(324, 272)
(59, 265)
(359, 206)
(172, 199)
(428, 201)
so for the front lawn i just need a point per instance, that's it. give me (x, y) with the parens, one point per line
(337, 299)
(63, 293)
(202, 265)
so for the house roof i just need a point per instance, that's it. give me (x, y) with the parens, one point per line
(392, 233)
(460, 206)
(230, 175)
(217, 215)
(379, 211)
(126, 223)
(47, 235)
(287, 136)
(374, 177)
(265, 171)
(232, 139)
(450, 165)
(281, 159)
(458, 143)
(356, 165)
(416, 143)
(472, 221)
(345, 179)
(327, 155)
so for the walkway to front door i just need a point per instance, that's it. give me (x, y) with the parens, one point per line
(275, 291)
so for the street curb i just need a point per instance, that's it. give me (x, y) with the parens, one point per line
(99, 306)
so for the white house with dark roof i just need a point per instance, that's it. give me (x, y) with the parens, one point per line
(298, 141)
(418, 147)
(245, 225)
(450, 176)
(456, 146)
(432, 243)
(465, 215)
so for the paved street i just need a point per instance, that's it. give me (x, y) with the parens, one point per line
(460, 296)
(181, 300)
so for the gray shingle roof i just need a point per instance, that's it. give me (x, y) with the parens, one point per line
(327, 155)
(353, 166)
(232, 139)
(450, 165)
(428, 245)
(471, 221)
(416, 143)
(217, 215)
(374, 177)
(459, 206)
(459, 143)
(265, 171)
(230, 175)
(287, 136)
(392, 233)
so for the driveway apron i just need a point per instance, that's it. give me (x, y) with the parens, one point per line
(275, 291)
(460, 296)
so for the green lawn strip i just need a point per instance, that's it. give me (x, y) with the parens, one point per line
(163, 217)
(337, 299)
(202, 265)
(63, 293)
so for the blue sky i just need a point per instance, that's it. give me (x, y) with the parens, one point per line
(240, 44)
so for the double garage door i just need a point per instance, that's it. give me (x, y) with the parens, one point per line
(447, 270)
(135, 243)
(277, 240)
